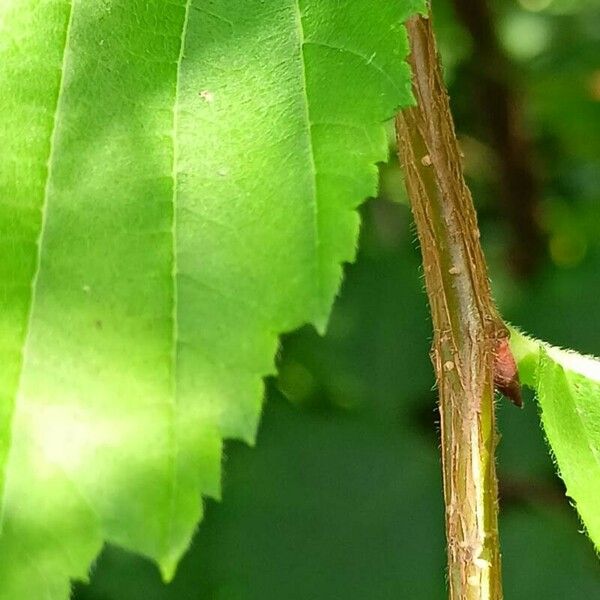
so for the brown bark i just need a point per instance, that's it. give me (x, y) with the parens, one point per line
(467, 328)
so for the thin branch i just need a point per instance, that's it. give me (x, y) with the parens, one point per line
(467, 328)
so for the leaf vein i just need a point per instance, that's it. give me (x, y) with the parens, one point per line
(174, 274)
(312, 165)
(39, 244)
(368, 60)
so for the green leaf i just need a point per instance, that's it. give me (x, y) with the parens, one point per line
(177, 187)
(568, 390)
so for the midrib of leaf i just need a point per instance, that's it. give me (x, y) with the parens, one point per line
(368, 60)
(39, 247)
(168, 569)
(310, 151)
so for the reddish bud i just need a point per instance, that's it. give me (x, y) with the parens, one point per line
(506, 376)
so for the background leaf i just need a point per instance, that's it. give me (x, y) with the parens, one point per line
(179, 189)
(568, 389)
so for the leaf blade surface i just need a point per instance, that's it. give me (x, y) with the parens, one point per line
(568, 391)
(204, 163)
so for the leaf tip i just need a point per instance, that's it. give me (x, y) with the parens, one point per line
(168, 568)
(321, 322)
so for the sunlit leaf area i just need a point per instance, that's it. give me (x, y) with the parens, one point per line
(315, 473)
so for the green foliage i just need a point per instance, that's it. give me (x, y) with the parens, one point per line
(568, 389)
(177, 188)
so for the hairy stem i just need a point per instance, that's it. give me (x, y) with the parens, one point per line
(467, 327)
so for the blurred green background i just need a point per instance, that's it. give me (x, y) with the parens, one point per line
(341, 499)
